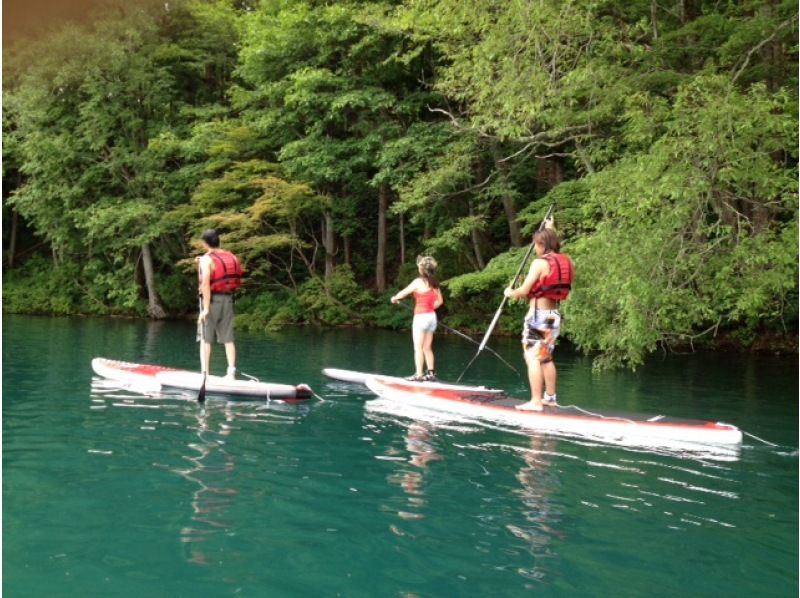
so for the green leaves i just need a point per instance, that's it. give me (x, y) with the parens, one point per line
(667, 135)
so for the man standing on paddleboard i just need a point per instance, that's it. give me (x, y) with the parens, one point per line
(219, 273)
(548, 282)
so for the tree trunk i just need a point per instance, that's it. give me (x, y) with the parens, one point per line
(328, 243)
(154, 307)
(380, 265)
(476, 247)
(348, 258)
(687, 11)
(556, 172)
(12, 244)
(508, 202)
(654, 18)
(402, 240)
(584, 158)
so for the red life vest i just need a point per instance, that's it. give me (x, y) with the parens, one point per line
(558, 283)
(227, 273)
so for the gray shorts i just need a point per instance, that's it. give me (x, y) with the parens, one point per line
(219, 320)
(424, 322)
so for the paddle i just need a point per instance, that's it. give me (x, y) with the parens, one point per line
(503, 302)
(201, 396)
(469, 338)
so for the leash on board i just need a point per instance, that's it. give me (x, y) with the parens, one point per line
(767, 442)
(314, 394)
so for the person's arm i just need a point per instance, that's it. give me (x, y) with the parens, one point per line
(205, 285)
(538, 269)
(405, 292)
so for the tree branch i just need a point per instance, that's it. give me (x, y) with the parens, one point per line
(760, 45)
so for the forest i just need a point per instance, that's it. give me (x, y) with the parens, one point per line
(331, 142)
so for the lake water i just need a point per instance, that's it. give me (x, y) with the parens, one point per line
(111, 493)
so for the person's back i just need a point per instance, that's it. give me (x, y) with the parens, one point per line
(220, 274)
(425, 300)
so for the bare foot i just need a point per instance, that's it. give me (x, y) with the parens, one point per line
(531, 406)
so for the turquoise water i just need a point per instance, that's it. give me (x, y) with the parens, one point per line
(109, 492)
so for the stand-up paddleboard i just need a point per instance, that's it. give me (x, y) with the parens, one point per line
(155, 377)
(643, 430)
(362, 377)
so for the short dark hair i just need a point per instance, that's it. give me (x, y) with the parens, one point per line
(211, 237)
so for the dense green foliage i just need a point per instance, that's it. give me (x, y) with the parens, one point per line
(330, 142)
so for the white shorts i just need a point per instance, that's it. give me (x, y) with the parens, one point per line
(424, 322)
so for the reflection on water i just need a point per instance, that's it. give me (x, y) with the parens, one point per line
(206, 463)
(421, 452)
(361, 498)
(214, 491)
(611, 487)
(537, 483)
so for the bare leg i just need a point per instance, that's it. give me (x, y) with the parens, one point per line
(536, 380)
(230, 354)
(418, 338)
(205, 357)
(427, 349)
(550, 375)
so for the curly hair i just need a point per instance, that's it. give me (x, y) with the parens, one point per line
(427, 269)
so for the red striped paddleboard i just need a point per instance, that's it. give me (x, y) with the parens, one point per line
(643, 430)
(362, 377)
(155, 377)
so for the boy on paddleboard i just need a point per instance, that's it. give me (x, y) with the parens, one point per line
(219, 274)
(548, 282)
(428, 297)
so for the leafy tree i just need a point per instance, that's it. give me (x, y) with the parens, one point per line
(329, 141)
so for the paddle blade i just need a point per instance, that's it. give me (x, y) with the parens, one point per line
(201, 396)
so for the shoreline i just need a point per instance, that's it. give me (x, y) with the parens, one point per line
(766, 343)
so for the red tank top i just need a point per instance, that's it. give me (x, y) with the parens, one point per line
(424, 301)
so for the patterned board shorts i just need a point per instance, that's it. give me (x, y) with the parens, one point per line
(424, 322)
(540, 331)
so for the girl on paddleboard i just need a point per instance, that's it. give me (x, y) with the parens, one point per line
(428, 297)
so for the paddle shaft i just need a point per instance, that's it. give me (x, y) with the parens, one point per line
(201, 395)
